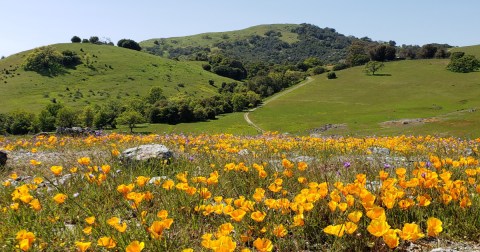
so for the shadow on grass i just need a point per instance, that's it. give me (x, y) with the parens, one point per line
(381, 75)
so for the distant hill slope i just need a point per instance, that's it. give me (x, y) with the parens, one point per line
(117, 73)
(473, 50)
(276, 43)
(407, 97)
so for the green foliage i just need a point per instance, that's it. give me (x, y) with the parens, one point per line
(239, 102)
(46, 121)
(70, 59)
(339, 66)
(317, 70)
(94, 40)
(373, 66)
(129, 44)
(130, 118)
(382, 53)
(155, 95)
(331, 75)
(76, 39)
(357, 53)
(463, 64)
(4, 121)
(67, 118)
(21, 122)
(88, 116)
(44, 60)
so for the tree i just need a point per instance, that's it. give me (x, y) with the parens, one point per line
(130, 118)
(427, 51)
(331, 75)
(70, 59)
(94, 40)
(76, 39)
(129, 44)
(464, 64)
(357, 54)
(44, 60)
(88, 116)
(67, 118)
(21, 122)
(156, 94)
(373, 66)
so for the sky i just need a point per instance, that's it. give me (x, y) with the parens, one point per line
(27, 24)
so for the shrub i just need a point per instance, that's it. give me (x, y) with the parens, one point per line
(331, 75)
(76, 39)
(44, 60)
(318, 70)
(22, 122)
(464, 64)
(339, 66)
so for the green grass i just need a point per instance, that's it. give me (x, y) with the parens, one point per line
(473, 50)
(409, 90)
(118, 74)
(211, 38)
(228, 123)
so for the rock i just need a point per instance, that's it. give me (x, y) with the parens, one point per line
(306, 159)
(243, 152)
(3, 158)
(146, 152)
(379, 150)
(76, 131)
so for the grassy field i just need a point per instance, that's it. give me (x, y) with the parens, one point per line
(117, 73)
(211, 38)
(473, 50)
(228, 123)
(439, 102)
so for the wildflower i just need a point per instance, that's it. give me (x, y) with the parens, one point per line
(125, 189)
(224, 229)
(156, 229)
(391, 239)
(135, 246)
(90, 220)
(162, 214)
(346, 164)
(378, 227)
(263, 245)
(106, 242)
(115, 152)
(350, 227)
(82, 246)
(258, 216)
(35, 162)
(337, 230)
(223, 243)
(279, 231)
(237, 215)
(87, 230)
(411, 232)
(355, 216)
(84, 161)
(424, 200)
(56, 170)
(116, 223)
(35, 205)
(60, 198)
(106, 169)
(25, 239)
(377, 213)
(187, 250)
(168, 185)
(434, 226)
(37, 180)
(302, 166)
(142, 180)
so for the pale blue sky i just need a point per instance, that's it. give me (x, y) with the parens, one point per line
(26, 24)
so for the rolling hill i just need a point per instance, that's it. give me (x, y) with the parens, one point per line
(407, 97)
(115, 73)
(275, 43)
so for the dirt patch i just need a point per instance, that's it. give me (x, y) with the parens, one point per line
(406, 122)
(327, 127)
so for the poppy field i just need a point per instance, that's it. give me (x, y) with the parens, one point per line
(269, 192)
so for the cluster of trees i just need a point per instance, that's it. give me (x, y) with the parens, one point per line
(48, 61)
(226, 67)
(463, 63)
(125, 43)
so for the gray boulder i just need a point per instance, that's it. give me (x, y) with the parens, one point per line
(3, 158)
(146, 153)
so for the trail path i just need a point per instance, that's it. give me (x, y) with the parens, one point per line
(247, 119)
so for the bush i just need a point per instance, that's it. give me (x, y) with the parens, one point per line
(21, 123)
(331, 75)
(129, 44)
(317, 70)
(70, 59)
(339, 66)
(465, 64)
(76, 39)
(67, 118)
(207, 67)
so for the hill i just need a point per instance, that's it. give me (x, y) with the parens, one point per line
(276, 43)
(473, 50)
(114, 73)
(408, 97)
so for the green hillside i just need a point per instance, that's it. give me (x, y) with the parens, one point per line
(276, 43)
(116, 73)
(209, 39)
(473, 50)
(410, 97)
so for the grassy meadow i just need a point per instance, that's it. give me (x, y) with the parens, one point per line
(116, 73)
(445, 103)
(223, 192)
